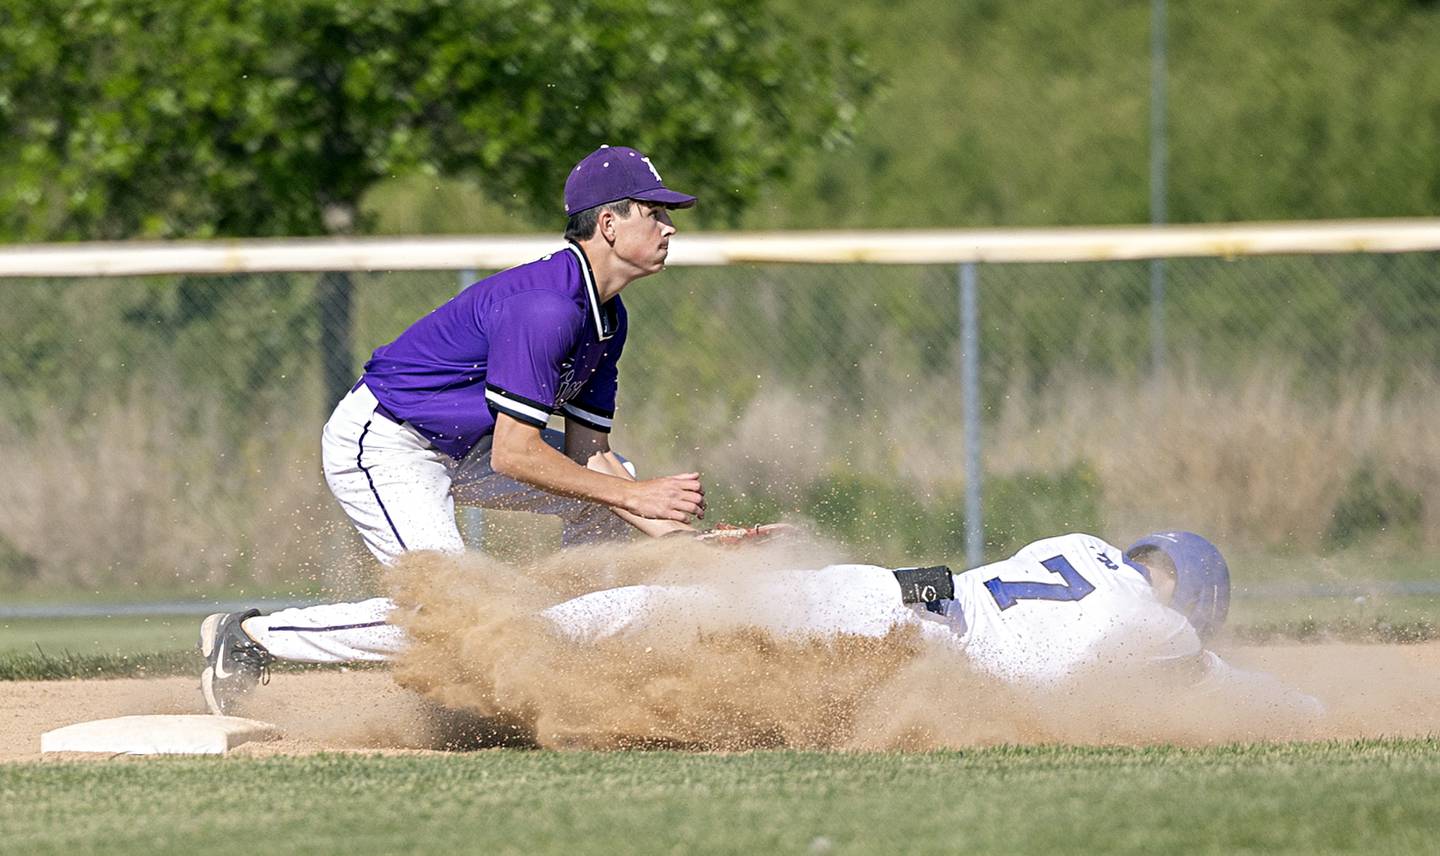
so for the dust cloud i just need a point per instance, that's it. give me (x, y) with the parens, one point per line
(712, 681)
(485, 670)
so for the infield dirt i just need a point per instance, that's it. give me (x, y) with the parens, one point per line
(484, 671)
(1373, 691)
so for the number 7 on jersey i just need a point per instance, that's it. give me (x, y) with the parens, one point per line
(1074, 588)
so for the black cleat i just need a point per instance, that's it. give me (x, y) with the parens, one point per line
(234, 663)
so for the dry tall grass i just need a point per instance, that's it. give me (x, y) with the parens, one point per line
(1256, 459)
(138, 493)
(147, 493)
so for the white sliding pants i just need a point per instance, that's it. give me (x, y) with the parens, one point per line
(857, 600)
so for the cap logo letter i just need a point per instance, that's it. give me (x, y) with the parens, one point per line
(653, 171)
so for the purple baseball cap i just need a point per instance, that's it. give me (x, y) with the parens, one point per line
(612, 173)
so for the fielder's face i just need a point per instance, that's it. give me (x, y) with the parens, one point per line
(642, 240)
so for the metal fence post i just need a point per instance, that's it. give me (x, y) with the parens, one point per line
(472, 517)
(333, 301)
(1158, 162)
(970, 398)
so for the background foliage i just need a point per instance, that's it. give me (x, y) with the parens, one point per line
(159, 118)
(164, 427)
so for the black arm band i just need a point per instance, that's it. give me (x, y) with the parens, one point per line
(925, 585)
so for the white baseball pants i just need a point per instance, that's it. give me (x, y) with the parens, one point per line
(400, 493)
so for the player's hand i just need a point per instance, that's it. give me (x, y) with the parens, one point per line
(679, 497)
(609, 464)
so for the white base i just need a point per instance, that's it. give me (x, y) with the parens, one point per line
(158, 735)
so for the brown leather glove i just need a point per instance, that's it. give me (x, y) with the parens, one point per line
(726, 535)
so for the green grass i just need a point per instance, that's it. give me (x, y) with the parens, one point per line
(1353, 566)
(45, 593)
(109, 635)
(44, 649)
(1344, 630)
(1398, 607)
(37, 649)
(1372, 797)
(42, 665)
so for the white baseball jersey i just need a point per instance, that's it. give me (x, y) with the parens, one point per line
(1062, 606)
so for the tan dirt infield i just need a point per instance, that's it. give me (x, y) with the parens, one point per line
(1372, 691)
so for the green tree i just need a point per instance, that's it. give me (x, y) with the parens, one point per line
(162, 118)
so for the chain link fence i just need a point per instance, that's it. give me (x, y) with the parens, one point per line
(163, 431)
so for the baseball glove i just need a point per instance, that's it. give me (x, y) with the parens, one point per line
(726, 535)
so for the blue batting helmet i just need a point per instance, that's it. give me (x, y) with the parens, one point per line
(1202, 579)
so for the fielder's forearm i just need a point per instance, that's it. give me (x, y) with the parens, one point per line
(520, 453)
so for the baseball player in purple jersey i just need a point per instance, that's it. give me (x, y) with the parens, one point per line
(455, 410)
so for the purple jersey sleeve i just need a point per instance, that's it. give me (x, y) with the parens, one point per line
(532, 334)
(594, 405)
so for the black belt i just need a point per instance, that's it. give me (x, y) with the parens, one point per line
(382, 410)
